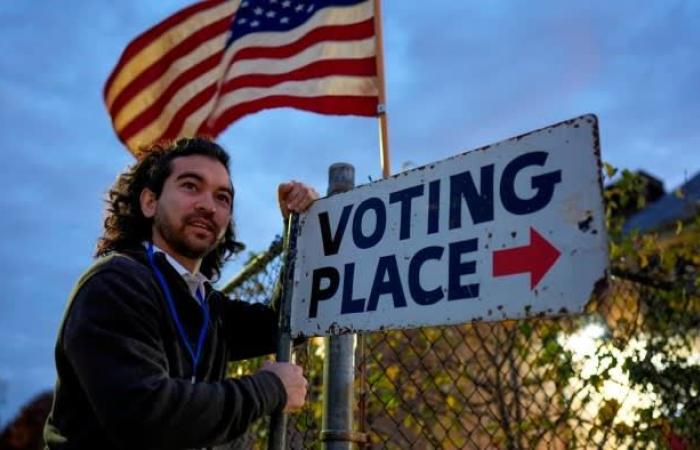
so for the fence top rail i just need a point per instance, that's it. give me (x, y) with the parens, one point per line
(255, 265)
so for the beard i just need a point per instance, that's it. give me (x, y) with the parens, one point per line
(187, 244)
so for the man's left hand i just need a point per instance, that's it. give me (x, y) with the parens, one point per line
(294, 196)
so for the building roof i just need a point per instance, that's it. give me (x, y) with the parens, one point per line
(668, 208)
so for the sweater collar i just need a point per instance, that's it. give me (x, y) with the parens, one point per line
(195, 281)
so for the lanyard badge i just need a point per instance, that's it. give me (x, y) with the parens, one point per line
(196, 353)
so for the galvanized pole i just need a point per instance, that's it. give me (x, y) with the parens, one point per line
(278, 424)
(339, 363)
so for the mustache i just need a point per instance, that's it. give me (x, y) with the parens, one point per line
(200, 218)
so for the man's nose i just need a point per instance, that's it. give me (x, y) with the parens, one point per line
(206, 203)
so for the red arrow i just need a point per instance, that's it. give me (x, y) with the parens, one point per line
(536, 258)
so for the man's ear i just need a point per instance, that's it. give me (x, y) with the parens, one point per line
(149, 202)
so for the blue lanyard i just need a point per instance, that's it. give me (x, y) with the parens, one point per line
(195, 355)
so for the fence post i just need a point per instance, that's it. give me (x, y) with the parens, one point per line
(339, 364)
(278, 423)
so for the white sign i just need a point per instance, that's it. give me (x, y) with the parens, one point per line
(505, 231)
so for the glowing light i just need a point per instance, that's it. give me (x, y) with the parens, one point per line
(585, 341)
(594, 356)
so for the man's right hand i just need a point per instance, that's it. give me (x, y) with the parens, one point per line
(293, 380)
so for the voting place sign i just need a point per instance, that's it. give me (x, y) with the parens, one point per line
(505, 231)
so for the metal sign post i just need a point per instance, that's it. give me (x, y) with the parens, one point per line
(502, 232)
(339, 361)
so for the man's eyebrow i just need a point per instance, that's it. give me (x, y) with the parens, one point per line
(194, 175)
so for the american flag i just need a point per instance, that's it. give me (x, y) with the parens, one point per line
(216, 61)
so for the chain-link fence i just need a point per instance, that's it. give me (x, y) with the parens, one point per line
(541, 383)
(256, 283)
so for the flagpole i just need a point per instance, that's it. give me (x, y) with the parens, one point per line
(381, 108)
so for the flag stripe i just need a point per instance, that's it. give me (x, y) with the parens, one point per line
(150, 112)
(313, 46)
(185, 103)
(148, 36)
(132, 121)
(134, 118)
(340, 85)
(332, 19)
(318, 69)
(345, 32)
(328, 104)
(186, 69)
(344, 53)
(329, 85)
(197, 119)
(155, 134)
(153, 73)
(155, 50)
(175, 125)
(324, 17)
(171, 103)
(149, 130)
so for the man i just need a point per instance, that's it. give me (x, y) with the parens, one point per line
(142, 351)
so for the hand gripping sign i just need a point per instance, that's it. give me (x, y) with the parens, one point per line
(502, 232)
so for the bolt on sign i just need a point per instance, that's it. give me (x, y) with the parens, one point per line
(502, 232)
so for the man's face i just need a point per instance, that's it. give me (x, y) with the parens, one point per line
(194, 209)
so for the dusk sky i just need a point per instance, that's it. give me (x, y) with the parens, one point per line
(460, 75)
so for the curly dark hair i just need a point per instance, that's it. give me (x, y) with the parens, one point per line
(125, 226)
